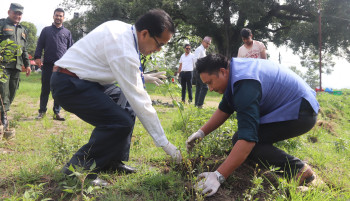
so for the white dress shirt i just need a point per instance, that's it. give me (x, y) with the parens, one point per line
(200, 52)
(108, 55)
(187, 62)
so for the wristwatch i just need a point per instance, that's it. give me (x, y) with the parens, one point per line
(220, 177)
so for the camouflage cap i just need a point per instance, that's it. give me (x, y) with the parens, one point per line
(16, 7)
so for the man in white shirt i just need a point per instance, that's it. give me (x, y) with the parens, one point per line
(251, 48)
(201, 88)
(109, 54)
(187, 61)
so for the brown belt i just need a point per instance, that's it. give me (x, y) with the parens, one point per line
(63, 70)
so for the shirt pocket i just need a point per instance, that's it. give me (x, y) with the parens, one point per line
(7, 33)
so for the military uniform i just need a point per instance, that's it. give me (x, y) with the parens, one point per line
(18, 34)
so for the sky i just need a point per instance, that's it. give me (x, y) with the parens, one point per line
(40, 13)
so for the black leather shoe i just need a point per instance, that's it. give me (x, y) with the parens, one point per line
(121, 167)
(40, 115)
(58, 117)
(99, 182)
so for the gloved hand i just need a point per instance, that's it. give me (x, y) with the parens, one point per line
(155, 78)
(208, 184)
(171, 150)
(195, 137)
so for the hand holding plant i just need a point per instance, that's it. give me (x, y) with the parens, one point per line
(193, 139)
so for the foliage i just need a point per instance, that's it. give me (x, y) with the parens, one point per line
(31, 37)
(76, 26)
(8, 50)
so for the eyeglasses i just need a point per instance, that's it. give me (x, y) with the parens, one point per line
(158, 44)
(188, 48)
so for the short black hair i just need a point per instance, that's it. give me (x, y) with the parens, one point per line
(187, 45)
(156, 21)
(245, 33)
(211, 64)
(59, 10)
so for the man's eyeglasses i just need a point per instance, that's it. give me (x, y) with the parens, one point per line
(188, 48)
(158, 44)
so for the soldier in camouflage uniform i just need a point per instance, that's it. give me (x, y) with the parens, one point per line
(11, 29)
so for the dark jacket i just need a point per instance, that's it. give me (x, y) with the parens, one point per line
(18, 34)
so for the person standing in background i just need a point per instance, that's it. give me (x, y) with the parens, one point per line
(55, 41)
(251, 48)
(187, 62)
(201, 88)
(13, 30)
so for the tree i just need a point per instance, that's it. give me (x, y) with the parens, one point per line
(31, 37)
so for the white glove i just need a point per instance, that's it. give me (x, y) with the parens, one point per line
(195, 137)
(171, 150)
(209, 183)
(155, 78)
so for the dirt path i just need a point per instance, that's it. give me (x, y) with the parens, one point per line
(209, 101)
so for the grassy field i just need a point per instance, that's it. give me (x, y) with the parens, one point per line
(30, 163)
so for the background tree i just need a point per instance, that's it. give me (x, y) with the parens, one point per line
(31, 37)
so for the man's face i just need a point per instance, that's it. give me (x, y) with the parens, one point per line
(15, 16)
(58, 18)
(149, 44)
(217, 81)
(206, 44)
(248, 41)
(188, 49)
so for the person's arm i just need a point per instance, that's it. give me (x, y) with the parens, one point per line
(70, 41)
(246, 99)
(239, 55)
(237, 156)
(180, 67)
(25, 58)
(39, 48)
(263, 51)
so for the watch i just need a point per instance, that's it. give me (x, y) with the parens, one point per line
(220, 177)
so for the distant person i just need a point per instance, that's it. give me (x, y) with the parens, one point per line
(251, 48)
(55, 41)
(187, 62)
(201, 88)
(272, 104)
(82, 83)
(11, 28)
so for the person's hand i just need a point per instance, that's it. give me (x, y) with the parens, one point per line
(208, 184)
(28, 71)
(38, 62)
(195, 137)
(155, 78)
(171, 150)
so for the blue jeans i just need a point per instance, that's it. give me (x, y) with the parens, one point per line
(201, 90)
(45, 89)
(111, 137)
(186, 81)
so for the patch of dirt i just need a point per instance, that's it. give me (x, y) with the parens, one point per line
(5, 151)
(328, 126)
(207, 103)
(236, 184)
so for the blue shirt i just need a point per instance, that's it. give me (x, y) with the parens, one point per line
(55, 41)
(261, 91)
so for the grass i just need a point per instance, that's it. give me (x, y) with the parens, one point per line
(30, 163)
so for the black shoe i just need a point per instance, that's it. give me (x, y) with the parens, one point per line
(40, 115)
(58, 117)
(99, 182)
(121, 167)
(4, 120)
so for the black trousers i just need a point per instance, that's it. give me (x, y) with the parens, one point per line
(201, 90)
(101, 107)
(268, 155)
(45, 89)
(186, 81)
